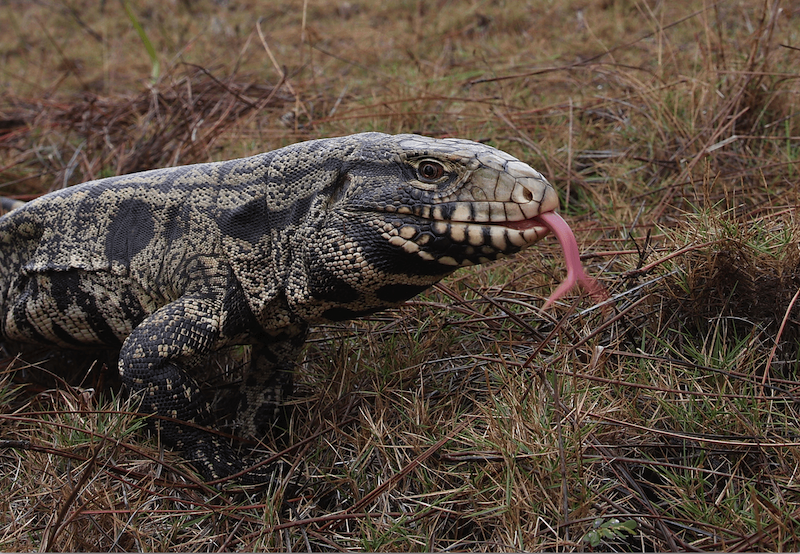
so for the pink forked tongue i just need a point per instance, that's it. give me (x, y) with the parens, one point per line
(575, 272)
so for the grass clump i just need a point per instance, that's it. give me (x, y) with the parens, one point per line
(743, 281)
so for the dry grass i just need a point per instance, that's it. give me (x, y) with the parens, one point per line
(469, 419)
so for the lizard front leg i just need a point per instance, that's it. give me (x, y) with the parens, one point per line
(155, 364)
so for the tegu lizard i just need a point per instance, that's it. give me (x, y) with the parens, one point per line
(171, 265)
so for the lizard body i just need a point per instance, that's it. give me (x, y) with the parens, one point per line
(171, 265)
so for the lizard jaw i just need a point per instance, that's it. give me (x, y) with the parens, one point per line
(464, 243)
(501, 237)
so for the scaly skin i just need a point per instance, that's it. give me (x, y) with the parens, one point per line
(173, 264)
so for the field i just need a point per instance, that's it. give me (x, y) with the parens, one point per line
(469, 419)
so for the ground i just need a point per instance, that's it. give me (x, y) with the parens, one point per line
(469, 419)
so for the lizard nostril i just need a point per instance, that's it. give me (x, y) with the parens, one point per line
(528, 194)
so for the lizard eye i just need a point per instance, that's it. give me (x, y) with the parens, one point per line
(429, 171)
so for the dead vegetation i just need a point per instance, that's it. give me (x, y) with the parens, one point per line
(469, 419)
(175, 122)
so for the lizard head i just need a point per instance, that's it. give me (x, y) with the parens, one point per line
(407, 210)
(450, 201)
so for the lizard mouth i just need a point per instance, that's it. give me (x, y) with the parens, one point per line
(536, 223)
(460, 243)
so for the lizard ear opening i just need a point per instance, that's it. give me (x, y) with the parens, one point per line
(336, 192)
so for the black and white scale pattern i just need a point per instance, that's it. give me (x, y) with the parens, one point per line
(171, 265)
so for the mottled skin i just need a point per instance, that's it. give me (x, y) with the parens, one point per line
(171, 265)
